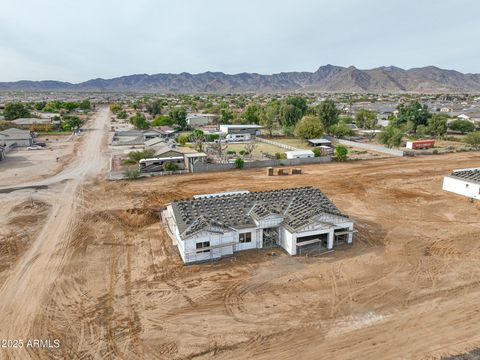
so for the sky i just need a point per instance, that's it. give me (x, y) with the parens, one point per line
(77, 40)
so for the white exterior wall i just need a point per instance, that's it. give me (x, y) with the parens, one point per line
(286, 241)
(190, 246)
(461, 187)
(256, 239)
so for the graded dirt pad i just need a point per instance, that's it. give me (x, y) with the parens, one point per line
(408, 287)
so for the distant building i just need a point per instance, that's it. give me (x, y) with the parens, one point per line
(160, 132)
(464, 182)
(299, 154)
(319, 142)
(183, 158)
(463, 117)
(200, 119)
(16, 137)
(445, 109)
(241, 129)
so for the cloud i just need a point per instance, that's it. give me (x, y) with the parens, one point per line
(77, 40)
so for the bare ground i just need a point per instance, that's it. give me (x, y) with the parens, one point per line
(407, 288)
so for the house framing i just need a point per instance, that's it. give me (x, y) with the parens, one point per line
(216, 225)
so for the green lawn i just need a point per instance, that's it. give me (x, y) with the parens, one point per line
(295, 142)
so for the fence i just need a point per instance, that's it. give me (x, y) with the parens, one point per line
(260, 164)
(371, 147)
(274, 143)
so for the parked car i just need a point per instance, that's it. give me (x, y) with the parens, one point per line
(42, 144)
(34, 147)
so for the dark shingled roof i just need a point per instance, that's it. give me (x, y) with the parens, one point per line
(297, 207)
(472, 175)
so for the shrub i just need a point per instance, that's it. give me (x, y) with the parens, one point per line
(341, 153)
(473, 139)
(136, 156)
(169, 166)
(231, 152)
(280, 156)
(317, 152)
(132, 174)
(182, 139)
(239, 163)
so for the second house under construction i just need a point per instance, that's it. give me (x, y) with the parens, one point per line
(215, 225)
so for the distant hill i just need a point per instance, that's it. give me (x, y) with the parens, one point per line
(327, 78)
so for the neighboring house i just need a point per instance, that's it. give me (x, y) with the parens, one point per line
(200, 119)
(16, 137)
(299, 220)
(464, 182)
(32, 121)
(183, 158)
(299, 154)
(319, 142)
(2, 152)
(160, 132)
(241, 129)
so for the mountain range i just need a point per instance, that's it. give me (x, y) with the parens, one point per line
(328, 78)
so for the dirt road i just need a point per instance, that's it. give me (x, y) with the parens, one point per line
(27, 285)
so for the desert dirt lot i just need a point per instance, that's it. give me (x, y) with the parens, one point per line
(21, 164)
(112, 287)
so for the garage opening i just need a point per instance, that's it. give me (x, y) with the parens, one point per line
(312, 243)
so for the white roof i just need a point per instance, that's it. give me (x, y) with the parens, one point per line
(299, 152)
(248, 126)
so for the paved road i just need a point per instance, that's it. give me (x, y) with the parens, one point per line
(25, 291)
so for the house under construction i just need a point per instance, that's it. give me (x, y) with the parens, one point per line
(211, 226)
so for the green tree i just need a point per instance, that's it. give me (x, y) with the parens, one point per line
(270, 117)
(340, 130)
(253, 114)
(122, 114)
(15, 110)
(414, 113)
(115, 108)
(226, 116)
(345, 119)
(85, 105)
(463, 126)
(299, 102)
(473, 139)
(179, 117)
(182, 139)
(437, 124)
(139, 121)
(289, 115)
(390, 136)
(136, 156)
(328, 113)
(162, 120)
(366, 119)
(155, 107)
(341, 153)
(71, 122)
(309, 127)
